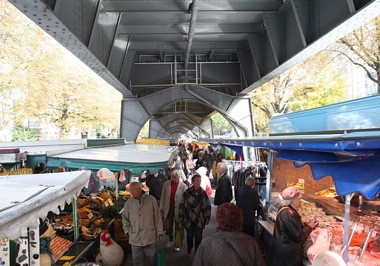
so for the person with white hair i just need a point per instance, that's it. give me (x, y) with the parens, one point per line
(223, 192)
(171, 197)
(142, 222)
(328, 258)
(289, 232)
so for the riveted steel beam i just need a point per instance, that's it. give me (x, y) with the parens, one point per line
(256, 44)
(154, 127)
(174, 46)
(183, 28)
(227, 6)
(248, 67)
(118, 54)
(127, 68)
(103, 34)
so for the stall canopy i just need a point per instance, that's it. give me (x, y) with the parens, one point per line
(134, 157)
(36, 151)
(26, 198)
(352, 159)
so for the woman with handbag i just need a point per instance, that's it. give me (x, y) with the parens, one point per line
(289, 232)
(171, 197)
(194, 212)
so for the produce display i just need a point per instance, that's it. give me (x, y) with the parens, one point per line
(59, 246)
(90, 220)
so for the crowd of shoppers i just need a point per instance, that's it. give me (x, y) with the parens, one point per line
(182, 200)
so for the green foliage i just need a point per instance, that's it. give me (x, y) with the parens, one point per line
(220, 125)
(316, 82)
(362, 48)
(21, 133)
(111, 212)
(42, 81)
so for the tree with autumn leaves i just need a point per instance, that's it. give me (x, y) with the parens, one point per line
(322, 79)
(318, 81)
(40, 81)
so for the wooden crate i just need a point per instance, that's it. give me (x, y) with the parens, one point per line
(119, 235)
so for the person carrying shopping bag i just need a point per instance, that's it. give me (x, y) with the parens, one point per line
(171, 197)
(194, 212)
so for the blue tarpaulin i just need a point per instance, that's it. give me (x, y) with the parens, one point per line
(352, 160)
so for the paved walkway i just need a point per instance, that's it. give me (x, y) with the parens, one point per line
(181, 258)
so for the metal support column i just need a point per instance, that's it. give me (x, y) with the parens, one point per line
(269, 180)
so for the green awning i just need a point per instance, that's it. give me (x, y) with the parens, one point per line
(93, 165)
(9, 166)
(134, 157)
(33, 161)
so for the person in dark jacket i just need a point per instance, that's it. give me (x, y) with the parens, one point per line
(194, 212)
(223, 192)
(211, 158)
(289, 232)
(155, 184)
(248, 201)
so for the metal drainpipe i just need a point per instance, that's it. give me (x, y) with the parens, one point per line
(190, 36)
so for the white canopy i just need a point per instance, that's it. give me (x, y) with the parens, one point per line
(25, 198)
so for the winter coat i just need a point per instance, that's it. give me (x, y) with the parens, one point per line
(288, 238)
(229, 248)
(195, 208)
(223, 192)
(248, 201)
(165, 198)
(142, 220)
(155, 184)
(210, 162)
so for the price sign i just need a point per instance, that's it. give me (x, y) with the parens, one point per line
(110, 202)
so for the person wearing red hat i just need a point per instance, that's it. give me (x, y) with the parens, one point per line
(289, 232)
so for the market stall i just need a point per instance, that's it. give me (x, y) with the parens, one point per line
(350, 159)
(134, 157)
(36, 151)
(26, 198)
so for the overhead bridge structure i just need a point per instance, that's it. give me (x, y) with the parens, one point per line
(178, 61)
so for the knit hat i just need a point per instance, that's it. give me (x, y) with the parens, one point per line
(291, 193)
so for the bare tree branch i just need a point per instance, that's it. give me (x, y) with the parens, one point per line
(360, 65)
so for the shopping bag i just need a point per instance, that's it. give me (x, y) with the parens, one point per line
(322, 244)
(179, 234)
(160, 255)
(213, 170)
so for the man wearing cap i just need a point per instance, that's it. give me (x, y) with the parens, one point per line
(289, 231)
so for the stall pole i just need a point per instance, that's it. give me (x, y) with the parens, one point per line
(117, 185)
(75, 218)
(346, 224)
(269, 180)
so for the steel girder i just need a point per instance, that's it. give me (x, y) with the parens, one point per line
(135, 112)
(190, 122)
(107, 35)
(154, 128)
(262, 38)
